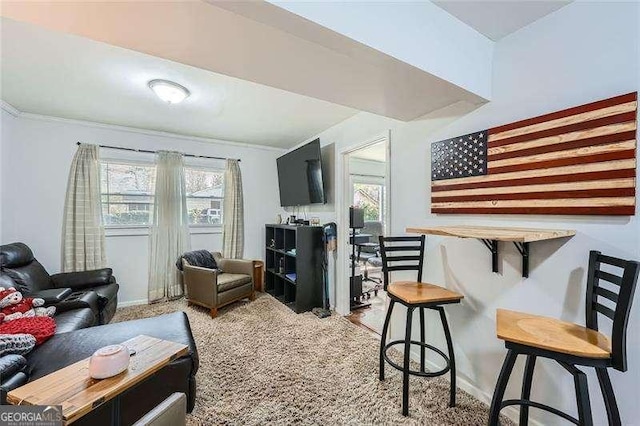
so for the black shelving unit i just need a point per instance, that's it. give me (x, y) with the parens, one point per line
(298, 250)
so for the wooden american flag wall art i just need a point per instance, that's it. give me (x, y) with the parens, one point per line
(579, 161)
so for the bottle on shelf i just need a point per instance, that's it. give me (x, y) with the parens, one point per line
(281, 266)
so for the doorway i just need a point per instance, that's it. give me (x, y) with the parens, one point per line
(367, 188)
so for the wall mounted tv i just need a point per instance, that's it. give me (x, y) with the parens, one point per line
(300, 176)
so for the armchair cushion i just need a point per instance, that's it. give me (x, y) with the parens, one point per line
(83, 279)
(227, 281)
(74, 319)
(236, 266)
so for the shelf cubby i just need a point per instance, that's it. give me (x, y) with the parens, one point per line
(305, 292)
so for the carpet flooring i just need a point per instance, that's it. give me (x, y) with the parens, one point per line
(260, 363)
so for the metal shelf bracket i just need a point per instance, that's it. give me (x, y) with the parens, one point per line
(492, 245)
(523, 249)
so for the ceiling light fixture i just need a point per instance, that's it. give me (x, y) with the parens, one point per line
(168, 91)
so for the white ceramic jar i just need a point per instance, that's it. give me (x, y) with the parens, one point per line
(109, 361)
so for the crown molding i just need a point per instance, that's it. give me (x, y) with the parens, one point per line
(5, 106)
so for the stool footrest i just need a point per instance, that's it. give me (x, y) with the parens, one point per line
(540, 406)
(414, 372)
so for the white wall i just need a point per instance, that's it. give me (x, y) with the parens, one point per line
(7, 125)
(582, 53)
(34, 169)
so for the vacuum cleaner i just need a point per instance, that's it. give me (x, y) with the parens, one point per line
(330, 242)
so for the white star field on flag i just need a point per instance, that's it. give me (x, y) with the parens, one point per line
(462, 156)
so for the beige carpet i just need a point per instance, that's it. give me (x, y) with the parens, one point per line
(260, 363)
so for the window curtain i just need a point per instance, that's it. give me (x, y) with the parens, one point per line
(233, 212)
(82, 231)
(169, 234)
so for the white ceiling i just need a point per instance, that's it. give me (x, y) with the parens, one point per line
(51, 73)
(254, 41)
(497, 19)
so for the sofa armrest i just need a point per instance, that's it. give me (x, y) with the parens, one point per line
(83, 279)
(236, 266)
(87, 299)
(12, 383)
(52, 296)
(10, 365)
(201, 284)
(11, 374)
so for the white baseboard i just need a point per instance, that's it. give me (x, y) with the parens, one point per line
(512, 412)
(133, 303)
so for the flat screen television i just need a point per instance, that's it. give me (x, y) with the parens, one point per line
(300, 176)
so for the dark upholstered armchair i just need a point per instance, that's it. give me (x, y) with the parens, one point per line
(230, 281)
(18, 265)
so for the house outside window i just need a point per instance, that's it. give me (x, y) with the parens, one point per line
(204, 196)
(128, 194)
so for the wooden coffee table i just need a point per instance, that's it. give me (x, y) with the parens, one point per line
(78, 394)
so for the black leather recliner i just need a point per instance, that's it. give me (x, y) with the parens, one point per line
(18, 265)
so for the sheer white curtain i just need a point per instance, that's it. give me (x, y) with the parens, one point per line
(169, 235)
(233, 212)
(82, 230)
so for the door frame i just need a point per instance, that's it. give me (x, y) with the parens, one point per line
(343, 202)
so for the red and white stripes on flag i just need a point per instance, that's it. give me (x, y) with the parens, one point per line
(579, 161)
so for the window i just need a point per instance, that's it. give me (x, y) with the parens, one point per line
(204, 195)
(370, 198)
(128, 194)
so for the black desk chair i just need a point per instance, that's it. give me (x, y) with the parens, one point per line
(571, 344)
(407, 254)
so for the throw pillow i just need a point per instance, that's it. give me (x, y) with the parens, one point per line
(201, 258)
(40, 327)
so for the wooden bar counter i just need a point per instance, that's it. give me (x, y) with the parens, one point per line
(489, 235)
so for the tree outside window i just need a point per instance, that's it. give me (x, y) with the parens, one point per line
(369, 197)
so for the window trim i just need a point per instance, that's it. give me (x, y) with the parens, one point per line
(123, 230)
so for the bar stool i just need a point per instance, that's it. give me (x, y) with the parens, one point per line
(571, 344)
(414, 294)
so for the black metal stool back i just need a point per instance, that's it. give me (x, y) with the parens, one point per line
(407, 254)
(401, 254)
(619, 296)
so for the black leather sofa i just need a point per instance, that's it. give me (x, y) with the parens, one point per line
(69, 292)
(78, 335)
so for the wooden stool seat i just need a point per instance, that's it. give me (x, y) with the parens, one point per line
(572, 345)
(551, 334)
(413, 292)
